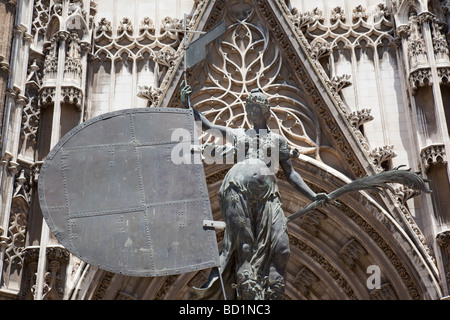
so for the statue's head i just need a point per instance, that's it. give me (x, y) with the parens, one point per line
(257, 105)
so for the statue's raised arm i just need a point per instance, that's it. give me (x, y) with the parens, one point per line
(185, 91)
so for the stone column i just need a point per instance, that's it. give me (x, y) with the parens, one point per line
(7, 12)
(12, 103)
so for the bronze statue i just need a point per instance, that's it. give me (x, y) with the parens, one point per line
(255, 248)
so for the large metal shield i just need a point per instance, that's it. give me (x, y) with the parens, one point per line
(113, 196)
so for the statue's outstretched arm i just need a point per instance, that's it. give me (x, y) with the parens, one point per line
(206, 124)
(294, 178)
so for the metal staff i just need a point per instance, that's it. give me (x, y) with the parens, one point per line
(377, 182)
(196, 51)
(193, 54)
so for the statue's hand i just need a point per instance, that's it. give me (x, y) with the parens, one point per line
(185, 91)
(322, 198)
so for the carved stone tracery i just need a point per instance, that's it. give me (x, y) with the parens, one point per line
(130, 47)
(248, 59)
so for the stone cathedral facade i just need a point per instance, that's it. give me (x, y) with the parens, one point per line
(356, 86)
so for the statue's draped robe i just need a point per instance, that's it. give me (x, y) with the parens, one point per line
(255, 222)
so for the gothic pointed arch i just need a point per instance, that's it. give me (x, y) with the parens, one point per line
(335, 248)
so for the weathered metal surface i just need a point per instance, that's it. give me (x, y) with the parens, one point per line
(196, 51)
(112, 195)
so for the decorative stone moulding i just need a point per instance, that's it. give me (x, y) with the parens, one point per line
(70, 95)
(4, 66)
(46, 96)
(420, 78)
(433, 155)
(444, 75)
(8, 162)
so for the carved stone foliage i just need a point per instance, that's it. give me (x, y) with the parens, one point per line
(358, 118)
(385, 292)
(340, 82)
(351, 253)
(125, 27)
(337, 14)
(358, 13)
(311, 222)
(321, 49)
(403, 194)
(383, 12)
(382, 154)
(151, 94)
(103, 27)
(443, 238)
(304, 281)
